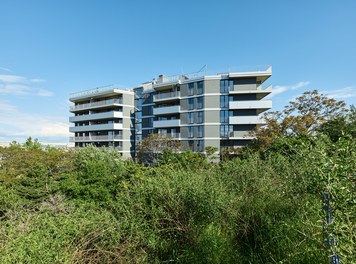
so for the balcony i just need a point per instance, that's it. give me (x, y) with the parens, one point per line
(255, 104)
(95, 127)
(171, 135)
(166, 123)
(110, 114)
(260, 93)
(240, 135)
(166, 110)
(166, 96)
(95, 138)
(98, 104)
(246, 120)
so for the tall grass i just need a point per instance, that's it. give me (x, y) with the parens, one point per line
(94, 207)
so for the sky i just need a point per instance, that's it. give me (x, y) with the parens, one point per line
(49, 49)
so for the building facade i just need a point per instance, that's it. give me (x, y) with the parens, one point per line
(199, 110)
(104, 117)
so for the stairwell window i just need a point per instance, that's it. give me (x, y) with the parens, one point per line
(200, 131)
(190, 131)
(190, 88)
(200, 87)
(200, 117)
(191, 118)
(191, 103)
(200, 102)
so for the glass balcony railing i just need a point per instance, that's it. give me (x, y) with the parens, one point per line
(96, 104)
(168, 95)
(95, 138)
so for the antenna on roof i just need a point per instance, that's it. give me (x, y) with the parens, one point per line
(202, 68)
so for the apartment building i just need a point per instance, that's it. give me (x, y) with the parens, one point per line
(103, 117)
(199, 110)
(203, 110)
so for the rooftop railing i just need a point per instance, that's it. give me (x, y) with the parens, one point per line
(94, 104)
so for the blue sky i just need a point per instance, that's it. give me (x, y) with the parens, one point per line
(49, 49)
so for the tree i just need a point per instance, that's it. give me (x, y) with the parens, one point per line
(32, 145)
(151, 148)
(302, 116)
(344, 126)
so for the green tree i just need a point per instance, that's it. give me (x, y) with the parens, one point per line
(151, 148)
(302, 116)
(32, 144)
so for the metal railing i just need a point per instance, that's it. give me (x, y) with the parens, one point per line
(94, 104)
(94, 138)
(171, 135)
(94, 91)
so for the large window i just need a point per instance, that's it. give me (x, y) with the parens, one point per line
(191, 118)
(190, 88)
(200, 102)
(200, 115)
(224, 101)
(224, 116)
(225, 130)
(200, 87)
(226, 86)
(191, 103)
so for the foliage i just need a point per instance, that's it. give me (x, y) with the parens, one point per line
(262, 206)
(150, 148)
(302, 116)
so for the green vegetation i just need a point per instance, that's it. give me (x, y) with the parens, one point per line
(263, 206)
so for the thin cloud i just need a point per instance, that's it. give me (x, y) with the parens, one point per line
(300, 85)
(20, 85)
(342, 93)
(283, 88)
(38, 80)
(16, 123)
(43, 92)
(5, 69)
(15, 89)
(6, 78)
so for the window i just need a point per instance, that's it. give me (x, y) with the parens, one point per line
(199, 102)
(200, 117)
(200, 131)
(190, 88)
(191, 103)
(224, 116)
(224, 101)
(150, 122)
(225, 130)
(200, 87)
(190, 118)
(226, 86)
(190, 131)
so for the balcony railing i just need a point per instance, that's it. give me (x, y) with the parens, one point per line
(109, 114)
(168, 95)
(171, 135)
(166, 123)
(240, 135)
(95, 138)
(166, 110)
(96, 104)
(91, 92)
(97, 127)
(251, 104)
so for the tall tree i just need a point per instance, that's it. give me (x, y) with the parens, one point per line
(304, 115)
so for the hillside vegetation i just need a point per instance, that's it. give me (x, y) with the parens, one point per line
(265, 205)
